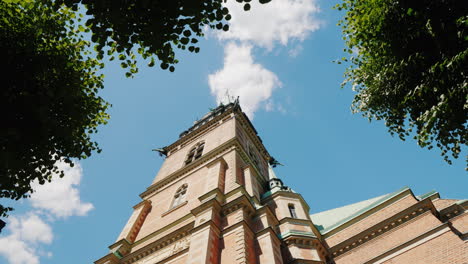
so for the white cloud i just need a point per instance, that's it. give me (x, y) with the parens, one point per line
(277, 21)
(61, 197)
(31, 228)
(242, 77)
(27, 233)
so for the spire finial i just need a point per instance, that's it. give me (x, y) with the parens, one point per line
(271, 173)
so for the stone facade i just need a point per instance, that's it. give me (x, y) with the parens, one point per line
(216, 200)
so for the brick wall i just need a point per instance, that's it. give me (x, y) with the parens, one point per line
(447, 248)
(371, 220)
(460, 222)
(390, 239)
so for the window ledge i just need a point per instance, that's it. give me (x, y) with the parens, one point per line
(173, 209)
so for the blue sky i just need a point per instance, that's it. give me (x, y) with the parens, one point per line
(279, 61)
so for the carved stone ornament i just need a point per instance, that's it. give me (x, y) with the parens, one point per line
(166, 252)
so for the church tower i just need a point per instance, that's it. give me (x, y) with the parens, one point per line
(216, 200)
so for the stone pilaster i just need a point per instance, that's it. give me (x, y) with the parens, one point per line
(268, 249)
(216, 175)
(204, 245)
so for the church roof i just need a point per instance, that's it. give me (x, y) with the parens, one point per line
(328, 220)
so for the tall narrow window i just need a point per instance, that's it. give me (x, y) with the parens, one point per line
(195, 153)
(253, 156)
(179, 196)
(292, 210)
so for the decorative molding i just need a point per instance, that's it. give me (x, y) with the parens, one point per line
(242, 202)
(197, 164)
(213, 194)
(211, 124)
(108, 259)
(165, 247)
(297, 233)
(298, 238)
(234, 111)
(305, 261)
(296, 221)
(209, 204)
(160, 254)
(226, 231)
(188, 218)
(144, 202)
(451, 212)
(383, 227)
(173, 209)
(265, 210)
(335, 228)
(252, 133)
(408, 245)
(266, 200)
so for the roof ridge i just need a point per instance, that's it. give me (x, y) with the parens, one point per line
(361, 211)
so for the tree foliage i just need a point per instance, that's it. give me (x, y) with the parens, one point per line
(123, 29)
(50, 78)
(48, 96)
(409, 66)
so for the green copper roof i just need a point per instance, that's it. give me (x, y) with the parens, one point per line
(328, 220)
(424, 196)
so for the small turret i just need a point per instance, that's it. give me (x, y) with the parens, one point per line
(274, 183)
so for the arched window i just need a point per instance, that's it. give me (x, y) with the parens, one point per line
(195, 153)
(179, 196)
(292, 210)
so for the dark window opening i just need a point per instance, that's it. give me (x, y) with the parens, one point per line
(292, 210)
(195, 153)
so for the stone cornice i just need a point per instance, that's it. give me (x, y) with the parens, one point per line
(209, 125)
(205, 224)
(122, 241)
(144, 202)
(201, 130)
(212, 203)
(213, 194)
(269, 230)
(208, 158)
(306, 222)
(158, 244)
(197, 164)
(108, 259)
(232, 227)
(240, 202)
(187, 217)
(252, 133)
(246, 158)
(438, 230)
(296, 221)
(288, 194)
(384, 226)
(345, 224)
(304, 240)
(297, 234)
(451, 211)
(240, 190)
(305, 261)
(173, 209)
(265, 209)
